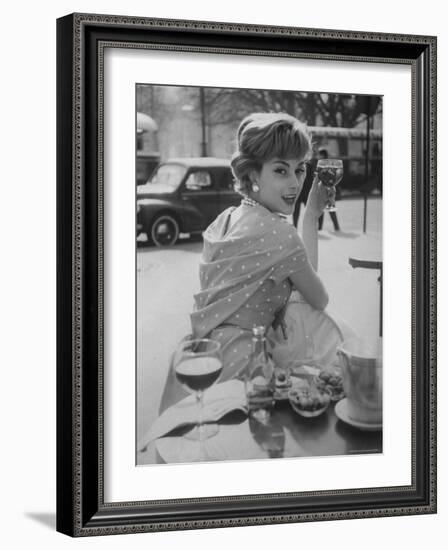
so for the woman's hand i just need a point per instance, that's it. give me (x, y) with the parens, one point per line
(318, 198)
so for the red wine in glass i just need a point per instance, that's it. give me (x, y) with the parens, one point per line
(197, 366)
(198, 374)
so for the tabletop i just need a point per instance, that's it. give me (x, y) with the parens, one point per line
(287, 434)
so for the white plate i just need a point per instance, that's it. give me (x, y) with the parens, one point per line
(340, 410)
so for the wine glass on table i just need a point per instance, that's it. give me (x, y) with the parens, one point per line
(330, 172)
(197, 366)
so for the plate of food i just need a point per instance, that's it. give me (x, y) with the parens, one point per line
(331, 380)
(304, 372)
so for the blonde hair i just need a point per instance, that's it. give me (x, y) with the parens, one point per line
(263, 136)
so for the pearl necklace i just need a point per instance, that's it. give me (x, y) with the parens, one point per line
(249, 202)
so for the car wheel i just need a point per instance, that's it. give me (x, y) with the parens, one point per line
(164, 230)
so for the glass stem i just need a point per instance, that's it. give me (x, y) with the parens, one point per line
(199, 401)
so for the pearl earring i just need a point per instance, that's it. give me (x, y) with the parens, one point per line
(255, 187)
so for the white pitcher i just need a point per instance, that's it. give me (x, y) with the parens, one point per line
(362, 370)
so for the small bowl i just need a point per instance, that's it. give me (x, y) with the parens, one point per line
(295, 396)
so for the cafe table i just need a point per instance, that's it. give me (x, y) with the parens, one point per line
(287, 434)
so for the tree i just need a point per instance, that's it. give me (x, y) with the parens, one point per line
(228, 105)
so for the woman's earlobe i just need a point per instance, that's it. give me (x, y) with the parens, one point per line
(254, 181)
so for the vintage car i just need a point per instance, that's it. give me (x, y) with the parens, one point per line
(146, 163)
(184, 195)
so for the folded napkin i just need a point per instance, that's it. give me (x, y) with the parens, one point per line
(218, 400)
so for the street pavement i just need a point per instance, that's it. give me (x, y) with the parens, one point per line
(167, 279)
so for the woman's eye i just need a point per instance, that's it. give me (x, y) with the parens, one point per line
(280, 171)
(301, 171)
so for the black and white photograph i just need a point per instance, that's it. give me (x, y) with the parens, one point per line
(259, 274)
(157, 138)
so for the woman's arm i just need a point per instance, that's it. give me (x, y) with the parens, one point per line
(315, 205)
(309, 235)
(306, 281)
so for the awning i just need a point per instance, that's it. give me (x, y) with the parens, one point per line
(145, 124)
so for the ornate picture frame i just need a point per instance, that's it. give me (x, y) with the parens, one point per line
(81, 506)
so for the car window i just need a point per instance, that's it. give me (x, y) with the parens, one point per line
(226, 181)
(199, 181)
(168, 174)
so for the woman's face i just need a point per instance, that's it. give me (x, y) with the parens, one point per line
(280, 182)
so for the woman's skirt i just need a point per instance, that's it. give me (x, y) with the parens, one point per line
(312, 336)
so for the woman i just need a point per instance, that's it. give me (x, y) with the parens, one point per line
(253, 258)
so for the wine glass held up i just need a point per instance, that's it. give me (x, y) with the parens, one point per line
(330, 172)
(197, 366)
